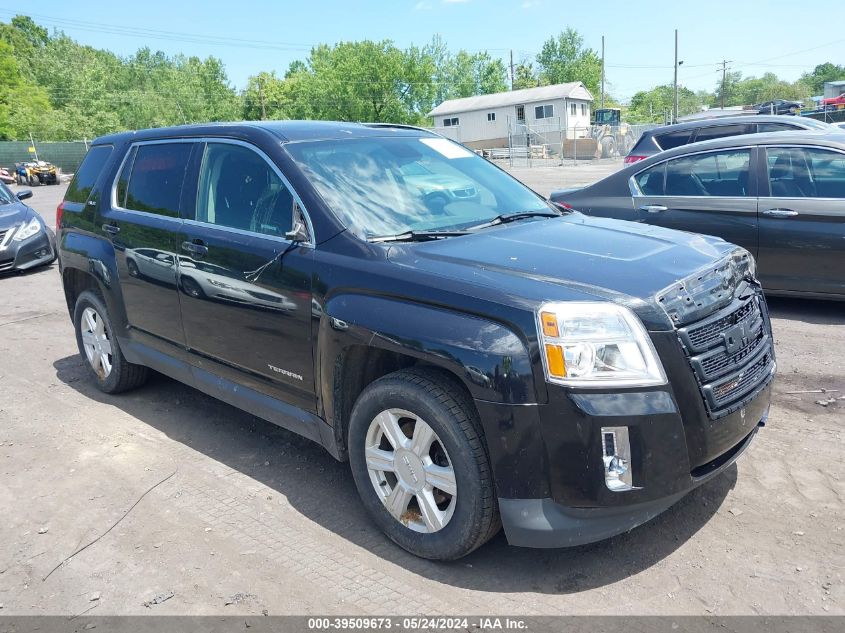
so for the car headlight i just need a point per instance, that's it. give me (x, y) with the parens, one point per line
(27, 230)
(592, 344)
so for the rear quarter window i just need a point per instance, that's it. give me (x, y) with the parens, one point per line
(88, 173)
(673, 139)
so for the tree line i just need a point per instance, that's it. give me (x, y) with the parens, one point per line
(56, 88)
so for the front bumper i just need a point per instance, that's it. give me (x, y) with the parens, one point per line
(543, 523)
(38, 250)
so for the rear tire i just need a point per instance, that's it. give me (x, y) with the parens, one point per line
(99, 347)
(430, 522)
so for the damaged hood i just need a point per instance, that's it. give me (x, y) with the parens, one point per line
(571, 257)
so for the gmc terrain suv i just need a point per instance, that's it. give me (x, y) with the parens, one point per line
(480, 360)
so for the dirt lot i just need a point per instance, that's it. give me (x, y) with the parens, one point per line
(256, 519)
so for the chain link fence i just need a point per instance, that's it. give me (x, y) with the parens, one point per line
(67, 156)
(553, 142)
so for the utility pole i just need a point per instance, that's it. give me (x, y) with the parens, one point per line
(261, 99)
(725, 63)
(675, 98)
(602, 71)
(512, 77)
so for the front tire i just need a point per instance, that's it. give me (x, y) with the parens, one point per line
(420, 465)
(100, 349)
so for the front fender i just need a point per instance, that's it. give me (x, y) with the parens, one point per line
(491, 360)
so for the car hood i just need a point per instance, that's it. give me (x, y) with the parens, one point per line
(570, 258)
(12, 214)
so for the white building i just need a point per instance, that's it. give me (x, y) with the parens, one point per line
(481, 122)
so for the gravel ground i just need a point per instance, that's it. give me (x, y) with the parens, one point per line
(257, 520)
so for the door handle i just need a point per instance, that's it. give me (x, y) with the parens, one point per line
(195, 248)
(780, 213)
(654, 208)
(111, 229)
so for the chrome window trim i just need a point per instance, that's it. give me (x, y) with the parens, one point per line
(634, 187)
(205, 140)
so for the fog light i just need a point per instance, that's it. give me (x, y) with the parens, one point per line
(616, 455)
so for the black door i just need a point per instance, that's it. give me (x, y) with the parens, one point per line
(707, 192)
(245, 288)
(802, 221)
(144, 225)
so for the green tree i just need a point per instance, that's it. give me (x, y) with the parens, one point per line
(524, 76)
(741, 90)
(564, 59)
(815, 80)
(651, 106)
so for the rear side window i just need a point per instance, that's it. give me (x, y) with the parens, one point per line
(155, 178)
(722, 173)
(721, 131)
(673, 139)
(88, 173)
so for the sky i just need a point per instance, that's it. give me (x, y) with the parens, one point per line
(756, 36)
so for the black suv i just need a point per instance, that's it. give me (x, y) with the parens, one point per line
(480, 360)
(666, 137)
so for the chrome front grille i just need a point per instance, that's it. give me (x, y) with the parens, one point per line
(730, 353)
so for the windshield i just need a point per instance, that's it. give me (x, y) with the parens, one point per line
(389, 186)
(6, 195)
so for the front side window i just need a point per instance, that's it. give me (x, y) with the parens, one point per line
(805, 173)
(238, 189)
(152, 182)
(544, 111)
(389, 186)
(723, 173)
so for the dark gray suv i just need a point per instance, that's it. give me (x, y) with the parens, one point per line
(671, 136)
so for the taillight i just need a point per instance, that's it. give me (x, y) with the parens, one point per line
(633, 159)
(59, 210)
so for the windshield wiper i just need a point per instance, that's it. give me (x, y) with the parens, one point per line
(416, 236)
(512, 217)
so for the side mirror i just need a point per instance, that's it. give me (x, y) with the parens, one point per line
(298, 233)
(23, 195)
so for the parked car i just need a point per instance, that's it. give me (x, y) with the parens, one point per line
(25, 241)
(491, 361)
(671, 136)
(779, 106)
(835, 101)
(781, 196)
